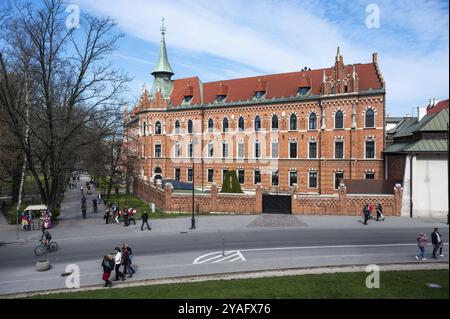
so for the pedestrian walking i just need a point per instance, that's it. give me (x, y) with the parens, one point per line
(108, 266)
(107, 215)
(126, 262)
(130, 258)
(380, 215)
(422, 240)
(436, 240)
(116, 217)
(131, 213)
(118, 263)
(145, 221)
(366, 213)
(126, 221)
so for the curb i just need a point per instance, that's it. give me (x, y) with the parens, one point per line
(241, 275)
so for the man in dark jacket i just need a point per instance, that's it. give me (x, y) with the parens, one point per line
(436, 241)
(366, 213)
(145, 221)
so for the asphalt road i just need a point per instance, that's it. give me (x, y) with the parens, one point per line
(172, 254)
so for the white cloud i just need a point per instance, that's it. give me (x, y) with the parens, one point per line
(244, 37)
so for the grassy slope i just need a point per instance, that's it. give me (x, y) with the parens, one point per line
(394, 284)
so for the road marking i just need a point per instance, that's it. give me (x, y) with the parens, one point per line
(219, 256)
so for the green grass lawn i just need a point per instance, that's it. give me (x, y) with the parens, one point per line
(393, 285)
(123, 200)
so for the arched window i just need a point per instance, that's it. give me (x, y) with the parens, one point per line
(177, 127)
(225, 125)
(257, 123)
(274, 122)
(370, 118)
(293, 122)
(158, 173)
(313, 121)
(158, 128)
(339, 120)
(210, 125)
(190, 127)
(241, 124)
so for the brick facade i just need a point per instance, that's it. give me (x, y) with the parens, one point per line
(350, 90)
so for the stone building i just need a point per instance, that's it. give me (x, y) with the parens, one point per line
(418, 157)
(311, 127)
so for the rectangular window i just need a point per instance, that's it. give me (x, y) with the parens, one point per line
(274, 149)
(224, 150)
(274, 178)
(292, 178)
(241, 176)
(190, 174)
(312, 179)
(177, 150)
(257, 150)
(339, 149)
(157, 150)
(210, 175)
(293, 150)
(224, 172)
(240, 150)
(338, 177)
(312, 149)
(210, 150)
(369, 175)
(177, 174)
(370, 149)
(257, 177)
(190, 150)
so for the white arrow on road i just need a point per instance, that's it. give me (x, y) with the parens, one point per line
(219, 256)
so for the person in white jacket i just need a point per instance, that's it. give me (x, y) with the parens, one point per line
(118, 262)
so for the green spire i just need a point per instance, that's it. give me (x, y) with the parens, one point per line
(163, 66)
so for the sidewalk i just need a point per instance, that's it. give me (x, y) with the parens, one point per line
(73, 226)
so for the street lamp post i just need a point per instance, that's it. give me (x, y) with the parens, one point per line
(193, 183)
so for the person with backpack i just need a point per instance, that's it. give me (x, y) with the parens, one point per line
(108, 266)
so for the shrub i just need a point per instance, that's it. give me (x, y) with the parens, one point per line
(231, 183)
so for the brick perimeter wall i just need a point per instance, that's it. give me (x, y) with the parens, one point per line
(341, 204)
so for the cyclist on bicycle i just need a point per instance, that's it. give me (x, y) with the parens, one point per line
(45, 237)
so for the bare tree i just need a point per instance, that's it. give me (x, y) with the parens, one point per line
(76, 94)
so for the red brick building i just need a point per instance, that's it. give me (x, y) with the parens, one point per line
(310, 128)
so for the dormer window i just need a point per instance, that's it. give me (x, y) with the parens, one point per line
(220, 98)
(187, 99)
(303, 90)
(259, 94)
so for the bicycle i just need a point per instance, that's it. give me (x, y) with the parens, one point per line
(41, 249)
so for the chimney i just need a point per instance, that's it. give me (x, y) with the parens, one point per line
(421, 112)
(375, 57)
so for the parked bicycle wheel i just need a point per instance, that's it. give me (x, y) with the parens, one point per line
(40, 250)
(53, 246)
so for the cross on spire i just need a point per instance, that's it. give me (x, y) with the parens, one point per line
(163, 28)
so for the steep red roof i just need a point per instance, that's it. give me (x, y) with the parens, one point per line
(438, 107)
(276, 85)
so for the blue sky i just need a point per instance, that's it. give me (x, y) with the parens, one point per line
(223, 39)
